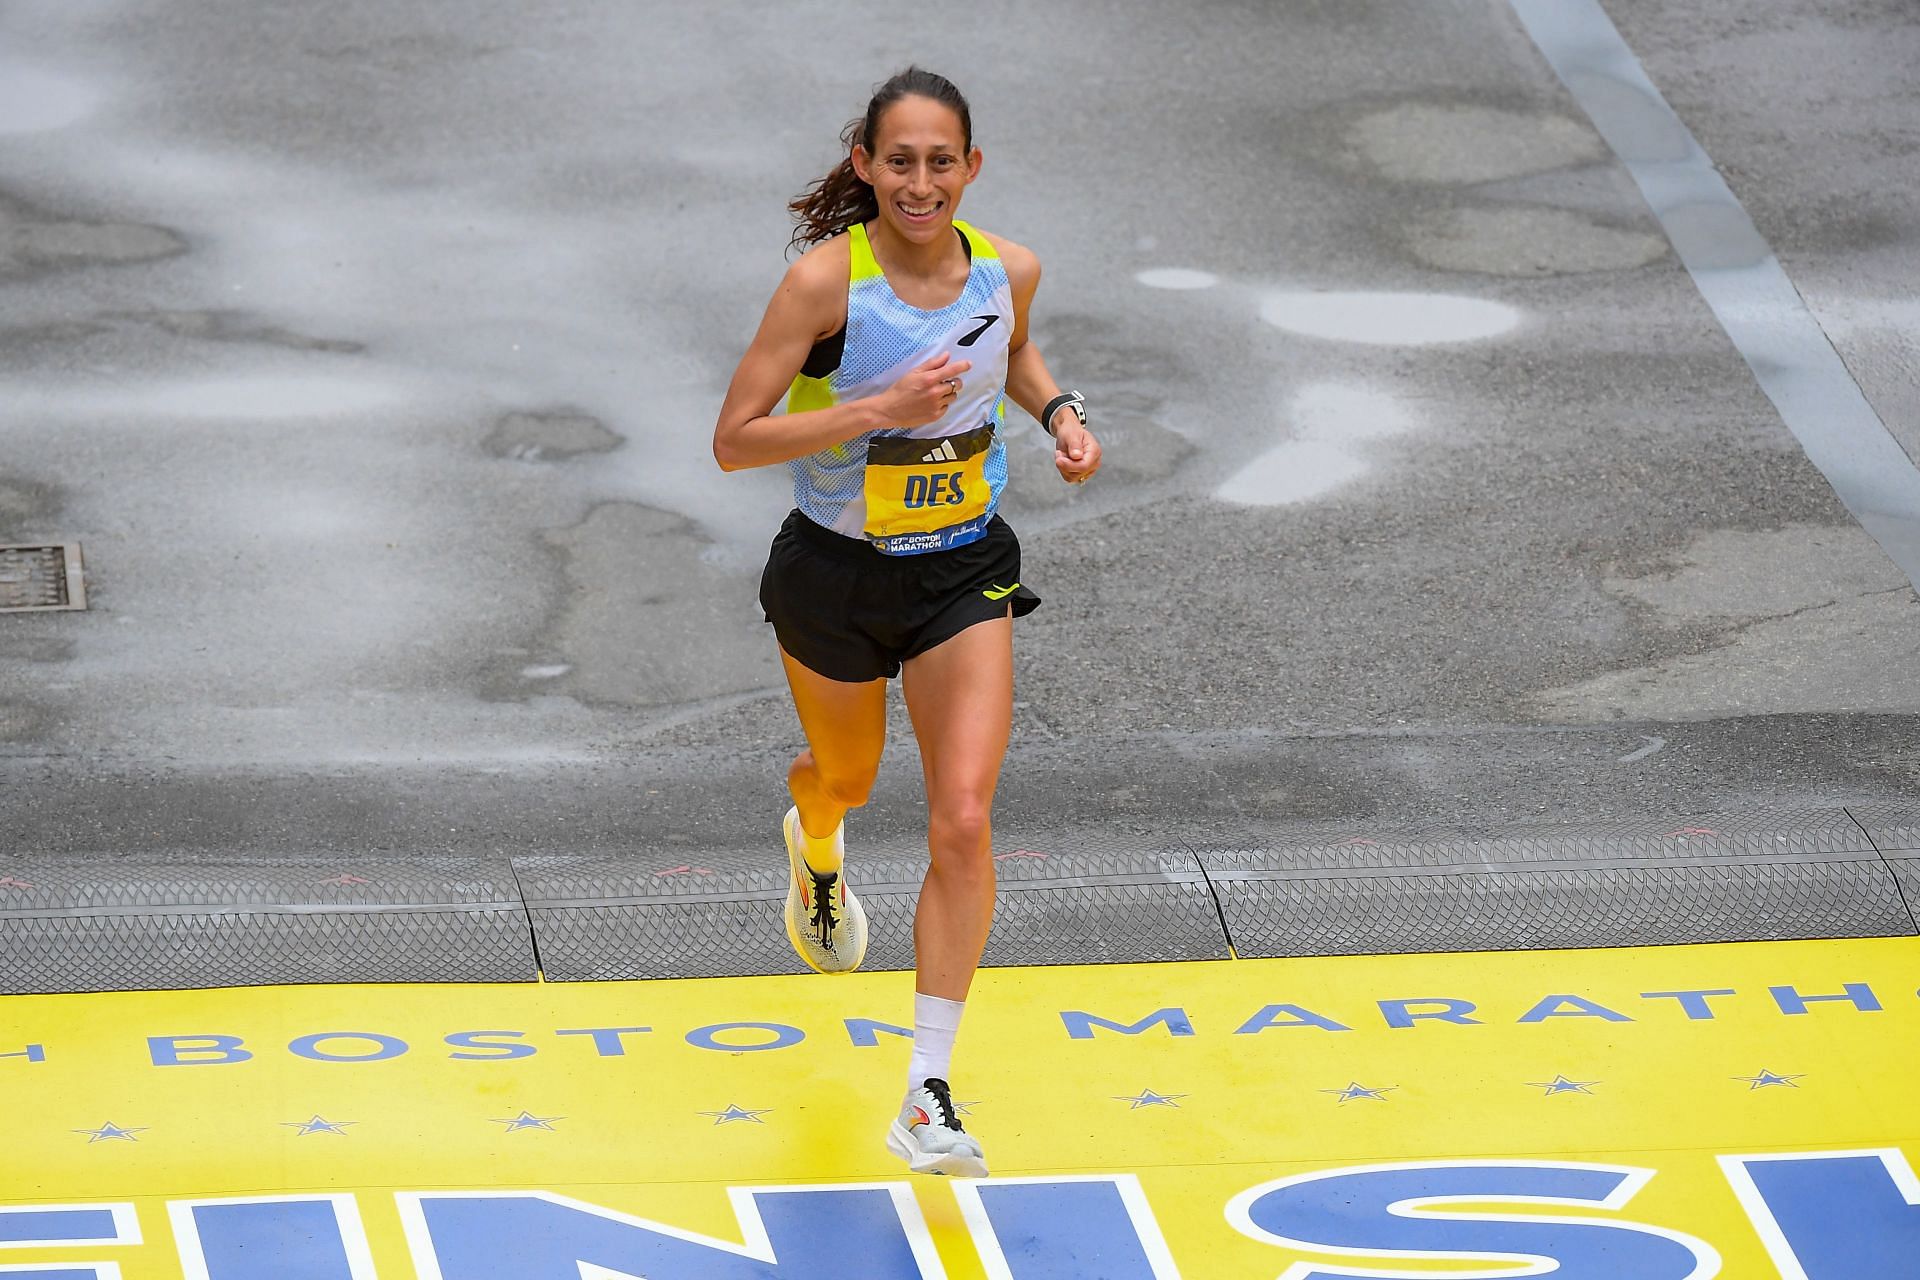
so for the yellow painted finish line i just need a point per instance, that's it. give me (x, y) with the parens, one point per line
(1744, 1111)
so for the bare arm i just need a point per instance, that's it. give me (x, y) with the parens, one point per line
(809, 305)
(1029, 384)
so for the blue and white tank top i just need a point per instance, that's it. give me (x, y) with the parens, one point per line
(909, 490)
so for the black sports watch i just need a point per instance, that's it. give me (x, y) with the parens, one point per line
(1074, 398)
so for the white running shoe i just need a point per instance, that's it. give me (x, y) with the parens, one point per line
(928, 1136)
(825, 922)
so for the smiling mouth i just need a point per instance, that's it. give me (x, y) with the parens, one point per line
(920, 210)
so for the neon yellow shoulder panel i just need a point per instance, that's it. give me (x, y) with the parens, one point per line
(982, 247)
(863, 265)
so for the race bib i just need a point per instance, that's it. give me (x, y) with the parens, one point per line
(927, 495)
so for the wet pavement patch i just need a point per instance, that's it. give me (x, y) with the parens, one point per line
(236, 326)
(540, 437)
(1461, 143)
(1742, 605)
(1520, 240)
(33, 240)
(644, 618)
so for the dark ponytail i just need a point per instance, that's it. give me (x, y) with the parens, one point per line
(841, 199)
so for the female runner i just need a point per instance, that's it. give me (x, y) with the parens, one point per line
(896, 340)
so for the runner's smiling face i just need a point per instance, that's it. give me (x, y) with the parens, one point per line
(918, 168)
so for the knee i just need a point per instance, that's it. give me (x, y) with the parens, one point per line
(960, 833)
(847, 789)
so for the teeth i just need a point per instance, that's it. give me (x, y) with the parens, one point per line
(921, 211)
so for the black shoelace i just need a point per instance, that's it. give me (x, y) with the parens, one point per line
(943, 1096)
(823, 919)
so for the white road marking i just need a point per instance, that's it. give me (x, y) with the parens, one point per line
(1388, 319)
(1325, 420)
(1292, 472)
(1737, 273)
(1176, 278)
(1339, 411)
(33, 100)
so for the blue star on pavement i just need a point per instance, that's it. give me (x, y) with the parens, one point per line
(737, 1112)
(318, 1125)
(527, 1120)
(1148, 1098)
(1560, 1084)
(1766, 1078)
(110, 1131)
(1357, 1090)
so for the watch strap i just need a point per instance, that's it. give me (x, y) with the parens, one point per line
(1074, 398)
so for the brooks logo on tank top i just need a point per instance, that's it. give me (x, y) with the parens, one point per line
(909, 490)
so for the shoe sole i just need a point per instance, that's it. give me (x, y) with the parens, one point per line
(938, 1163)
(796, 867)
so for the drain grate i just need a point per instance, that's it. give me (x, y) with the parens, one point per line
(38, 578)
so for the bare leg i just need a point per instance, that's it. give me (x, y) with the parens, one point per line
(846, 728)
(960, 695)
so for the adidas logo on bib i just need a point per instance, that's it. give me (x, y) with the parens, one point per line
(944, 453)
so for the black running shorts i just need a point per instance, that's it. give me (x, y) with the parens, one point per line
(853, 613)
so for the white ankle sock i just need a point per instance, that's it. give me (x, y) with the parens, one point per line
(935, 1023)
(823, 853)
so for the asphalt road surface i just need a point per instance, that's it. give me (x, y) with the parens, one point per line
(372, 352)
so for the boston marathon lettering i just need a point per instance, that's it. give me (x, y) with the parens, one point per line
(1687, 1113)
(205, 1048)
(1403, 1014)
(1845, 1215)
